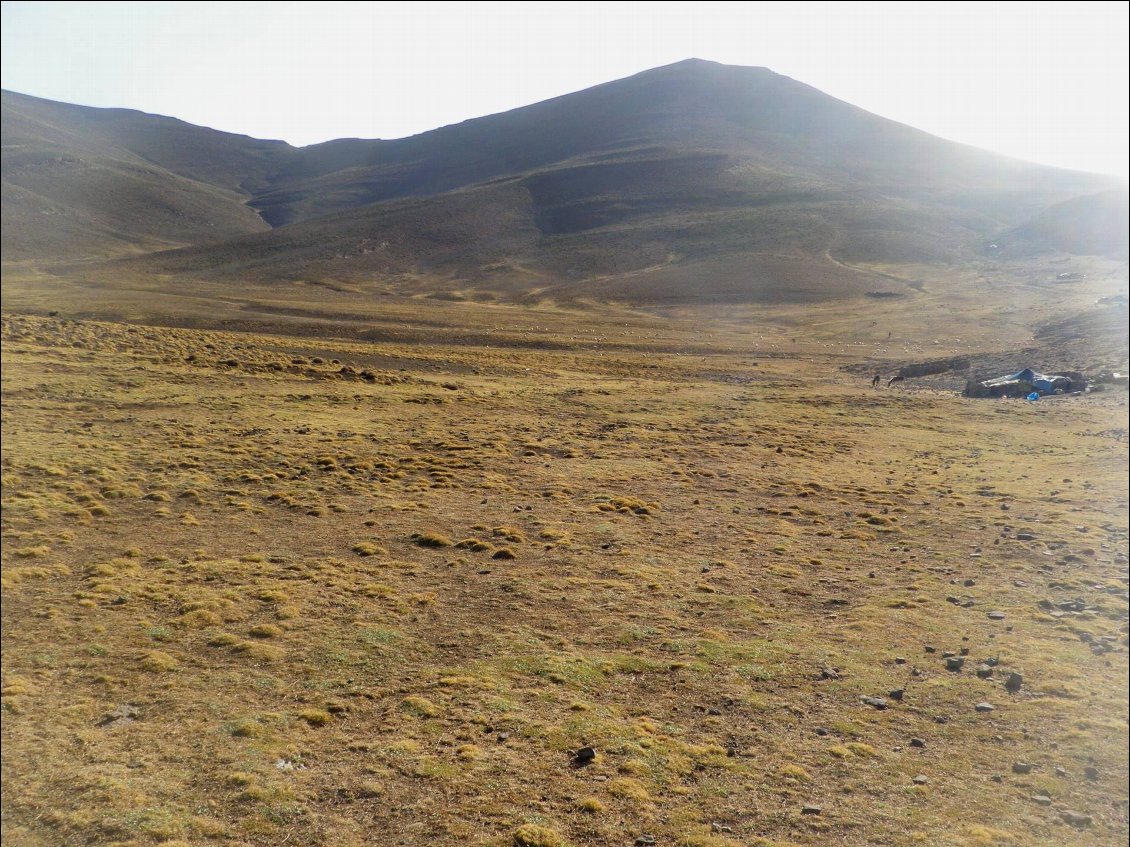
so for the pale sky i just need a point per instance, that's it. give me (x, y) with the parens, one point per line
(1045, 82)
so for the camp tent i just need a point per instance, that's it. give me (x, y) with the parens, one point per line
(1020, 384)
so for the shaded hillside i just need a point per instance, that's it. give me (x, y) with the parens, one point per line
(770, 121)
(692, 182)
(1096, 224)
(81, 182)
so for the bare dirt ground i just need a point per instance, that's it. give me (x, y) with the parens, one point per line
(265, 589)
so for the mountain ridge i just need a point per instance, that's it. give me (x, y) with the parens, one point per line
(687, 169)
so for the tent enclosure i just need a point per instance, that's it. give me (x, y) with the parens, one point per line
(1024, 382)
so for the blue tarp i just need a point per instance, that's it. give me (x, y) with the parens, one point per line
(1021, 383)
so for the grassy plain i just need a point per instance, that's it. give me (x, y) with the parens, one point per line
(264, 589)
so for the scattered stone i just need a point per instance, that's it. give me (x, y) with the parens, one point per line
(645, 840)
(829, 673)
(992, 662)
(124, 714)
(997, 778)
(897, 694)
(823, 731)
(985, 707)
(1076, 819)
(920, 780)
(717, 827)
(984, 672)
(996, 616)
(119, 601)
(965, 650)
(1025, 536)
(810, 809)
(955, 663)
(503, 737)
(899, 660)
(1021, 767)
(918, 742)
(946, 654)
(875, 702)
(584, 755)
(1041, 799)
(1013, 683)
(1060, 771)
(969, 583)
(931, 649)
(1091, 772)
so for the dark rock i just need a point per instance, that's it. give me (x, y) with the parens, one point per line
(997, 778)
(503, 737)
(899, 660)
(969, 583)
(964, 650)
(918, 742)
(1025, 536)
(996, 616)
(121, 716)
(875, 702)
(984, 707)
(1091, 772)
(810, 809)
(829, 673)
(584, 755)
(645, 840)
(931, 649)
(1021, 767)
(823, 731)
(1076, 819)
(897, 694)
(1014, 682)
(955, 663)
(984, 672)
(992, 662)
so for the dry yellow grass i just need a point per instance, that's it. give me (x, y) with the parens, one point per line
(332, 651)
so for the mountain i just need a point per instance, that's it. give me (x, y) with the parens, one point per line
(81, 182)
(691, 182)
(1095, 224)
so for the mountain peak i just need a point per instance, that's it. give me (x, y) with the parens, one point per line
(695, 180)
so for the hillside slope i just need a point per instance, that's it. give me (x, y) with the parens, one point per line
(80, 182)
(695, 182)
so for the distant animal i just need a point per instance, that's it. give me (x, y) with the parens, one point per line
(875, 381)
(894, 379)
